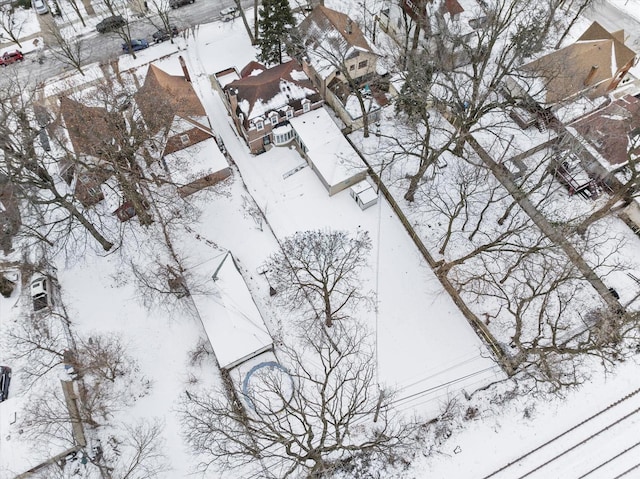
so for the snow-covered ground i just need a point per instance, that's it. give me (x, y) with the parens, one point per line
(424, 345)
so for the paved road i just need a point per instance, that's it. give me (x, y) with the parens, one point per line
(614, 19)
(105, 47)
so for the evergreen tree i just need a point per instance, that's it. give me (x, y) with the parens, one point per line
(275, 23)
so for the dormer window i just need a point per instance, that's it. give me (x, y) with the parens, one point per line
(274, 118)
(289, 113)
(259, 124)
(306, 105)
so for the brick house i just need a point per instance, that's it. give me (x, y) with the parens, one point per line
(263, 100)
(88, 144)
(191, 152)
(338, 58)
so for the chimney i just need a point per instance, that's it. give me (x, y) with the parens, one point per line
(349, 28)
(592, 73)
(183, 64)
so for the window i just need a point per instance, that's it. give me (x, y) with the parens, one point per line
(362, 64)
(289, 113)
(274, 119)
(352, 67)
(259, 124)
(281, 138)
(184, 139)
(306, 106)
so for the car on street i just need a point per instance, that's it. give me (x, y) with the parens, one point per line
(11, 57)
(228, 13)
(162, 34)
(110, 24)
(5, 379)
(135, 45)
(40, 7)
(179, 3)
(41, 293)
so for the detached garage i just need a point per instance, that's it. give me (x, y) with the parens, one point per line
(231, 319)
(328, 152)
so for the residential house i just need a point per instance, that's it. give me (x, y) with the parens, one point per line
(263, 101)
(88, 144)
(592, 67)
(338, 58)
(173, 113)
(611, 137)
(414, 23)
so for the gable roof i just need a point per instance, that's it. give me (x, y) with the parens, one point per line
(588, 63)
(452, 7)
(323, 21)
(163, 97)
(609, 130)
(104, 128)
(273, 89)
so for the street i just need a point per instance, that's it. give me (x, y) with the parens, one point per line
(102, 48)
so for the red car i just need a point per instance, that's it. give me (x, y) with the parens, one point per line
(11, 57)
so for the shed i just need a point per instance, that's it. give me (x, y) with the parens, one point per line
(364, 194)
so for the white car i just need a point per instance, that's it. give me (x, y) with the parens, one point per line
(41, 293)
(40, 7)
(229, 11)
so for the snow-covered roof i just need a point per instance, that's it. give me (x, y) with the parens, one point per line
(18, 452)
(331, 154)
(272, 89)
(195, 162)
(331, 36)
(230, 318)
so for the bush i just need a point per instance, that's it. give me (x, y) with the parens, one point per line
(22, 3)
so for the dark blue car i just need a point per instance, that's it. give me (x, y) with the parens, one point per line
(135, 45)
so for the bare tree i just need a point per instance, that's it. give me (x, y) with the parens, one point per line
(622, 194)
(314, 415)
(69, 50)
(78, 11)
(133, 451)
(55, 214)
(321, 268)
(332, 49)
(9, 25)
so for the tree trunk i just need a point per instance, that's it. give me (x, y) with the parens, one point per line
(70, 207)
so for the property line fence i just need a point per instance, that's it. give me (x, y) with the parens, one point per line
(479, 327)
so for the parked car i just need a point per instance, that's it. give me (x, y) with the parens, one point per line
(55, 9)
(110, 24)
(5, 379)
(162, 34)
(11, 57)
(228, 12)
(179, 3)
(40, 7)
(41, 293)
(135, 45)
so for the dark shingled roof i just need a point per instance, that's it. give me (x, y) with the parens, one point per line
(270, 83)
(90, 128)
